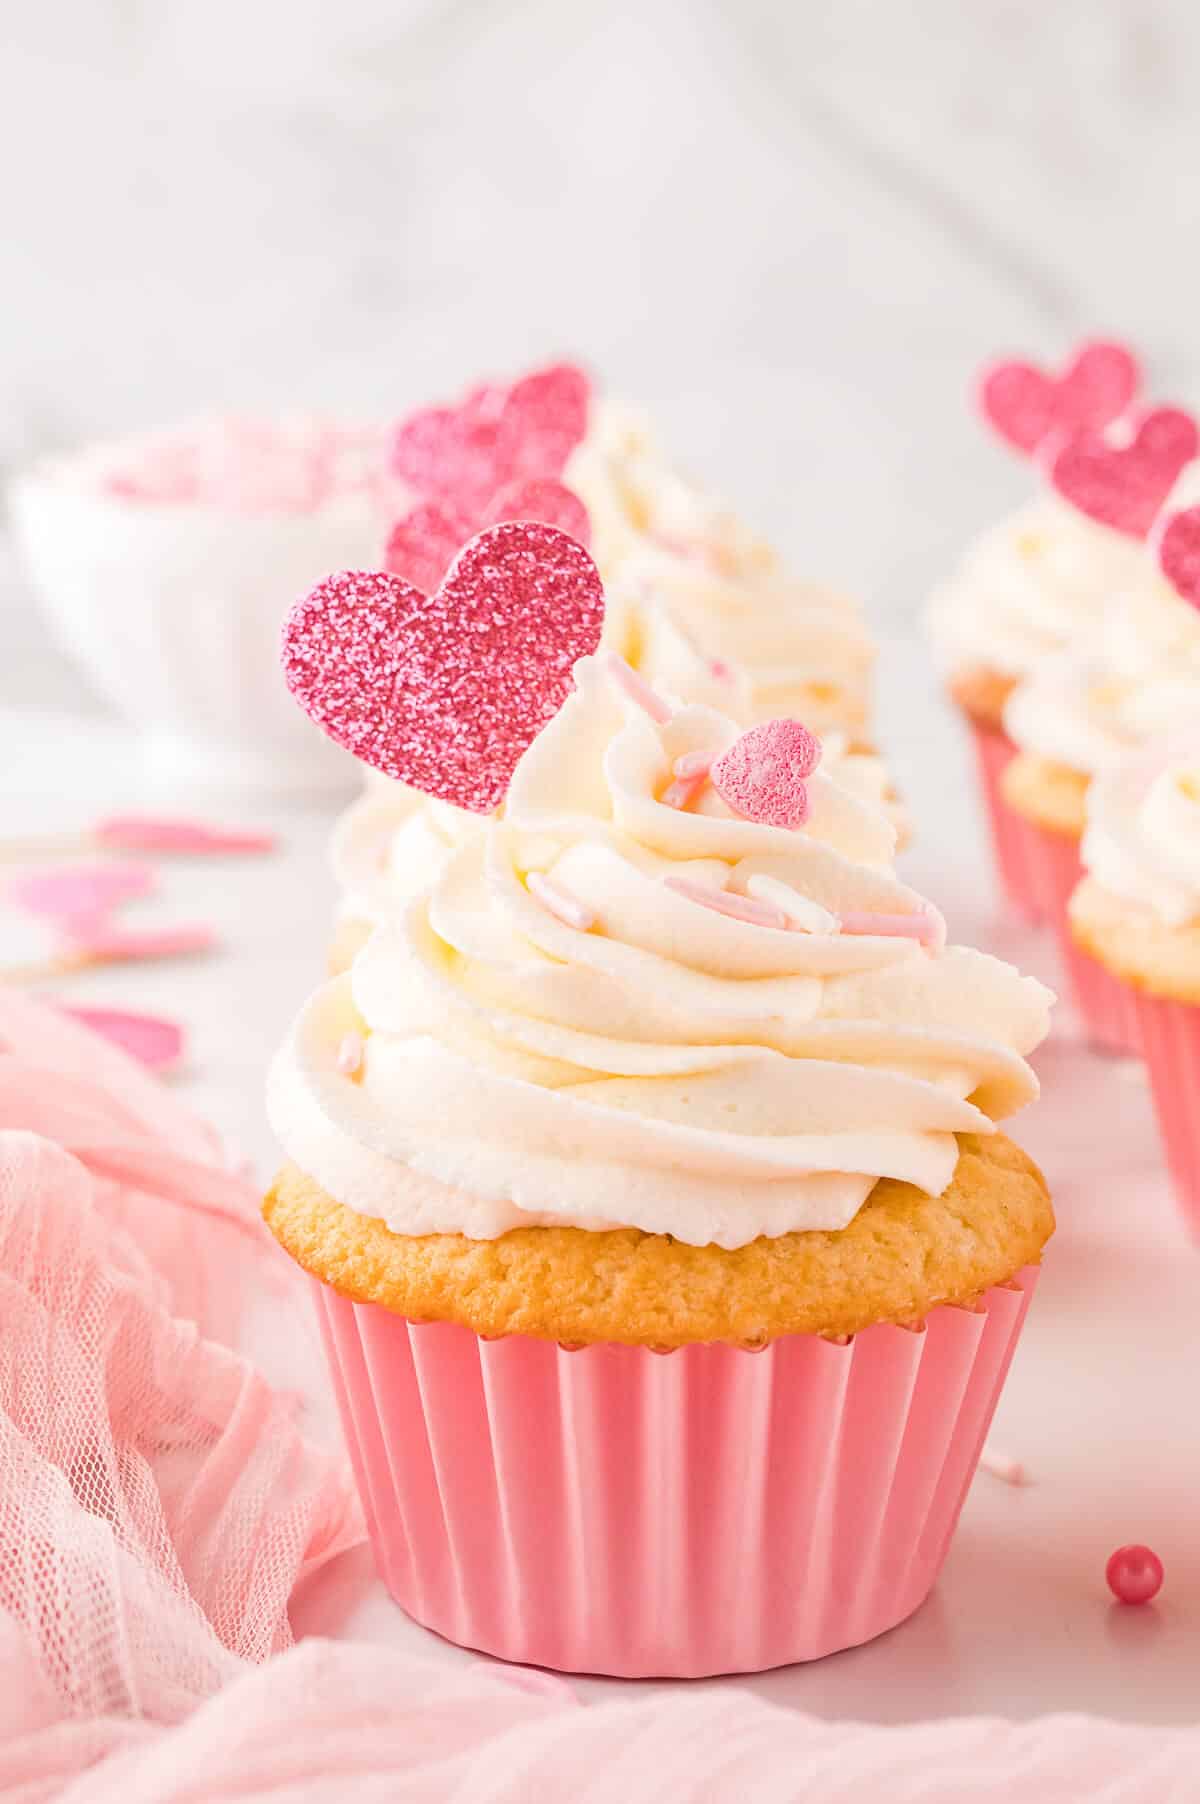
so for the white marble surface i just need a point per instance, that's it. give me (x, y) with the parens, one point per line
(792, 230)
(1100, 1405)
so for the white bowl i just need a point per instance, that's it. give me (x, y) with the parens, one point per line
(174, 611)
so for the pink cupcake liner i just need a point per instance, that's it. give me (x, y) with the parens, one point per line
(1051, 868)
(606, 1509)
(1107, 1006)
(1170, 1039)
(993, 751)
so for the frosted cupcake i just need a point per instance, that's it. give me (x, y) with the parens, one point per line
(1030, 585)
(667, 1061)
(166, 565)
(1136, 914)
(1084, 711)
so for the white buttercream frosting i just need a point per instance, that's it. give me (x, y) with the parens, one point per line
(1142, 839)
(1029, 587)
(668, 1066)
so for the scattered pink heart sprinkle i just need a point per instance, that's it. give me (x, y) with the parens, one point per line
(1025, 404)
(150, 1039)
(464, 455)
(80, 892)
(153, 833)
(445, 692)
(1125, 485)
(1179, 553)
(761, 775)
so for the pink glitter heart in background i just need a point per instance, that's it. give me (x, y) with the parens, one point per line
(1025, 404)
(446, 692)
(761, 775)
(464, 455)
(1125, 485)
(1179, 553)
(423, 545)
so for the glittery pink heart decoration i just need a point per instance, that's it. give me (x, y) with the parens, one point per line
(761, 775)
(1025, 405)
(1125, 485)
(446, 692)
(422, 546)
(464, 455)
(1179, 553)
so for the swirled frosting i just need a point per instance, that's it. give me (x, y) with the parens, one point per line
(652, 1061)
(1028, 587)
(1142, 839)
(805, 648)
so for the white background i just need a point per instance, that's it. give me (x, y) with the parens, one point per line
(791, 231)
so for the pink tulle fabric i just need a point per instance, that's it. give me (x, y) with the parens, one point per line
(159, 1504)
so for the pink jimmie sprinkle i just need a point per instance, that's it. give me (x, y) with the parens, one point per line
(693, 764)
(1002, 1466)
(96, 943)
(350, 1054)
(638, 689)
(150, 833)
(761, 775)
(927, 927)
(560, 902)
(81, 892)
(690, 776)
(722, 902)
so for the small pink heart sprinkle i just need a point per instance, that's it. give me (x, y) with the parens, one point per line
(446, 692)
(82, 893)
(150, 833)
(1124, 485)
(1179, 553)
(1025, 404)
(422, 546)
(464, 455)
(150, 1039)
(761, 775)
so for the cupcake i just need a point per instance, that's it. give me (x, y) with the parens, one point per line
(1030, 584)
(166, 565)
(1083, 711)
(645, 1166)
(1136, 916)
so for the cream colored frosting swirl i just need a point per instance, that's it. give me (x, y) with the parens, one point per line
(1142, 840)
(1028, 587)
(658, 1063)
(806, 649)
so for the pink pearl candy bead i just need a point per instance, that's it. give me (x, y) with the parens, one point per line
(1134, 1574)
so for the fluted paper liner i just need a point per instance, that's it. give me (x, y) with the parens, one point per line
(1170, 1040)
(1107, 1006)
(614, 1510)
(994, 750)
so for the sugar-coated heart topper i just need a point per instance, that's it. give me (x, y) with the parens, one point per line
(1026, 405)
(1124, 484)
(423, 545)
(465, 455)
(1178, 552)
(761, 775)
(446, 691)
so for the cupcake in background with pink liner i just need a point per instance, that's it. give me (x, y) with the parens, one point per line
(645, 1165)
(1083, 711)
(1136, 915)
(1032, 583)
(166, 563)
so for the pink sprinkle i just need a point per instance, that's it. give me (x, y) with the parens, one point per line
(99, 944)
(148, 833)
(350, 1054)
(560, 902)
(1134, 1574)
(722, 671)
(693, 764)
(81, 892)
(685, 788)
(761, 775)
(722, 902)
(927, 927)
(153, 1041)
(1000, 1465)
(638, 689)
